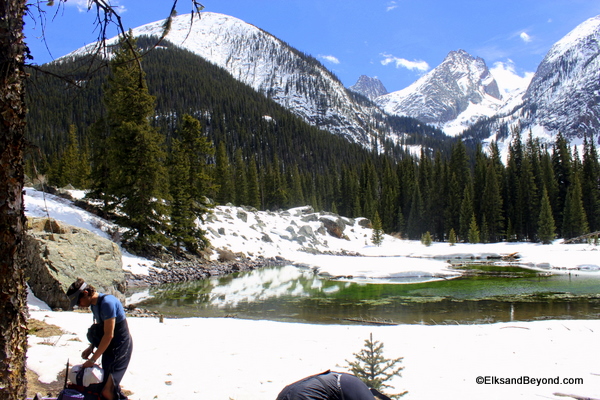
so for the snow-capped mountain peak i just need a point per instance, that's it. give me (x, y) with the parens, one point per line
(295, 81)
(369, 87)
(460, 83)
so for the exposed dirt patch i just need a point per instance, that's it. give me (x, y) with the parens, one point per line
(45, 389)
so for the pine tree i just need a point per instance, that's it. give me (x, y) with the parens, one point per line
(223, 176)
(253, 185)
(590, 184)
(473, 234)
(574, 218)
(377, 237)
(199, 151)
(562, 165)
(183, 225)
(414, 225)
(241, 182)
(492, 207)
(137, 177)
(373, 368)
(546, 227)
(426, 239)
(389, 195)
(72, 167)
(276, 192)
(466, 211)
(452, 237)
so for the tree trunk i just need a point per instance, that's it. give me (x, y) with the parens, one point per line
(13, 330)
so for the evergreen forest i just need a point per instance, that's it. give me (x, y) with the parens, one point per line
(158, 137)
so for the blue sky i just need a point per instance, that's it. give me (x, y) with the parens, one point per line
(394, 40)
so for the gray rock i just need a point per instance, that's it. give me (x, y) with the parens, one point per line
(334, 228)
(57, 254)
(242, 215)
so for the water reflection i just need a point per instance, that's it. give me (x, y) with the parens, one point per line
(263, 284)
(484, 294)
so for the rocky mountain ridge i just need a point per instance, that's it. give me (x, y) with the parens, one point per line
(294, 80)
(454, 96)
(369, 87)
(460, 82)
(562, 96)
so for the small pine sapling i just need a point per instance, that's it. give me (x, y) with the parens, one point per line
(374, 369)
(426, 239)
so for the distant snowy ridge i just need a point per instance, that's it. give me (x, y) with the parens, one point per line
(460, 89)
(561, 96)
(270, 66)
(565, 90)
(369, 87)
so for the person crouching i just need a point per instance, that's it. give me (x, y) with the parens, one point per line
(115, 345)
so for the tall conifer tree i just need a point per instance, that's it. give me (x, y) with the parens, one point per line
(254, 198)
(546, 225)
(590, 184)
(223, 176)
(574, 218)
(138, 179)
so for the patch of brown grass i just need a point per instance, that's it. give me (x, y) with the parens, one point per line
(43, 329)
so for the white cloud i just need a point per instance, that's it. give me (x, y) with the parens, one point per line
(84, 5)
(418, 65)
(331, 59)
(525, 37)
(391, 5)
(507, 77)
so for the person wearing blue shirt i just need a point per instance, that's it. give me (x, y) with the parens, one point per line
(116, 344)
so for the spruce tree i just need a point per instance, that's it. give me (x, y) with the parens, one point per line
(241, 182)
(574, 218)
(562, 165)
(223, 176)
(590, 184)
(377, 237)
(492, 207)
(73, 167)
(426, 239)
(414, 225)
(452, 237)
(466, 212)
(183, 227)
(136, 156)
(253, 185)
(473, 235)
(373, 368)
(389, 195)
(546, 226)
(199, 151)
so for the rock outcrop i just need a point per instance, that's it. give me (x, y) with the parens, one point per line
(57, 254)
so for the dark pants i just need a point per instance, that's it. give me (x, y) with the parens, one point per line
(115, 359)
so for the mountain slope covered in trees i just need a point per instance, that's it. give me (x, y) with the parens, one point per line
(268, 158)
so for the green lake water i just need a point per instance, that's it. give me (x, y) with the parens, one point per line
(484, 294)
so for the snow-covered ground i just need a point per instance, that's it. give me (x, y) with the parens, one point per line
(213, 359)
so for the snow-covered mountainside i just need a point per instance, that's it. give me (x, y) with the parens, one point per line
(255, 57)
(564, 94)
(369, 87)
(460, 88)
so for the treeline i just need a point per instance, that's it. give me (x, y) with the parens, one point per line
(200, 139)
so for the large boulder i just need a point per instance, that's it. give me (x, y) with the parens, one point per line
(335, 226)
(57, 254)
